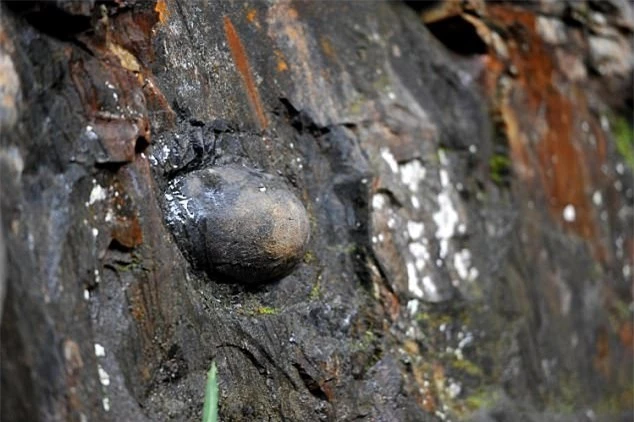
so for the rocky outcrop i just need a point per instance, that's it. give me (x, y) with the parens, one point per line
(464, 169)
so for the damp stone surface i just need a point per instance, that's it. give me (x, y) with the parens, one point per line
(237, 222)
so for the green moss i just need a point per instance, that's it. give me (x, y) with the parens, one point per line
(315, 292)
(482, 399)
(356, 106)
(366, 342)
(500, 167)
(433, 320)
(467, 366)
(382, 83)
(309, 258)
(369, 346)
(624, 137)
(135, 264)
(369, 337)
(267, 310)
(346, 249)
(312, 219)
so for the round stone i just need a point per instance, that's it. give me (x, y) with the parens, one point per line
(238, 222)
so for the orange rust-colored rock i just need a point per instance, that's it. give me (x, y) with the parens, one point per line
(241, 62)
(543, 127)
(162, 10)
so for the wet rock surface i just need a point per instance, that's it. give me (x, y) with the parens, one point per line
(469, 207)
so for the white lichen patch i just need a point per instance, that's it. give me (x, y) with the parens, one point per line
(420, 254)
(184, 203)
(446, 219)
(569, 213)
(444, 178)
(165, 153)
(178, 207)
(413, 283)
(412, 306)
(378, 201)
(454, 389)
(463, 266)
(98, 193)
(387, 156)
(415, 229)
(430, 289)
(462, 260)
(378, 239)
(104, 378)
(100, 351)
(412, 174)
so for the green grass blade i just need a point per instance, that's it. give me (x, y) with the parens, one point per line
(210, 408)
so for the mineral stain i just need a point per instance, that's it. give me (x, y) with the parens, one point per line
(238, 222)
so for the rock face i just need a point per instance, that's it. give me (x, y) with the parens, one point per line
(469, 203)
(238, 222)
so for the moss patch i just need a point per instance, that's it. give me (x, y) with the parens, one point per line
(624, 138)
(500, 166)
(267, 310)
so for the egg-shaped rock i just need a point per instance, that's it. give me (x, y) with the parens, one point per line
(238, 222)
